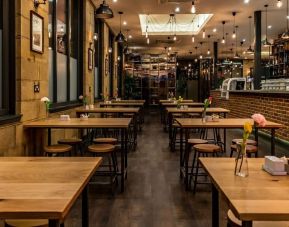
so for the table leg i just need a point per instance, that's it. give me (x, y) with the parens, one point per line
(122, 150)
(186, 160)
(225, 140)
(53, 223)
(125, 147)
(49, 136)
(181, 148)
(170, 118)
(247, 224)
(256, 135)
(273, 141)
(215, 206)
(85, 208)
(135, 128)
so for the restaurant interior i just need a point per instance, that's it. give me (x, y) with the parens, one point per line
(144, 113)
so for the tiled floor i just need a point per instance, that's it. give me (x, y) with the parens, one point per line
(154, 194)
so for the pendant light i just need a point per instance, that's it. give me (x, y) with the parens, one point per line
(236, 44)
(196, 59)
(120, 38)
(285, 35)
(223, 39)
(201, 56)
(266, 42)
(103, 11)
(193, 9)
(279, 3)
(234, 32)
(209, 51)
(250, 50)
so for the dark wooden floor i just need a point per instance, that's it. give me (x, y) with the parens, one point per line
(154, 194)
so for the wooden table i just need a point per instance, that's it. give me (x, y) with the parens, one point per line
(129, 100)
(170, 101)
(118, 110)
(44, 187)
(259, 197)
(172, 111)
(225, 123)
(76, 123)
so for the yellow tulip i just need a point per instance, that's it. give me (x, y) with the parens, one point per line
(248, 127)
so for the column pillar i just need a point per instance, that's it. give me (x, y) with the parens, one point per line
(257, 53)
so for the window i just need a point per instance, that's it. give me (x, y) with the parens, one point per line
(65, 82)
(7, 58)
(98, 61)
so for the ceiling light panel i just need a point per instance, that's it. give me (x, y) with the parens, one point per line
(186, 24)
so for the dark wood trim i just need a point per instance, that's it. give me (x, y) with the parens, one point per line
(54, 46)
(80, 48)
(8, 119)
(57, 107)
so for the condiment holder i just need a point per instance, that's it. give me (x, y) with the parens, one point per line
(64, 117)
(84, 117)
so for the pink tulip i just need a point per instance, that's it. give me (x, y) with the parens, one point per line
(259, 119)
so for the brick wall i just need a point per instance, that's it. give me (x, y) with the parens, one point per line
(275, 107)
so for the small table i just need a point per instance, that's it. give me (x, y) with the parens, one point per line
(258, 197)
(226, 123)
(44, 187)
(172, 111)
(77, 123)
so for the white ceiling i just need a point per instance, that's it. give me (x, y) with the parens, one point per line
(221, 10)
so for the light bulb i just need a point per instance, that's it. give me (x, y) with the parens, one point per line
(130, 36)
(209, 52)
(223, 40)
(234, 35)
(148, 41)
(204, 34)
(201, 56)
(193, 9)
(175, 38)
(246, 1)
(193, 39)
(124, 23)
(177, 9)
(170, 48)
(147, 35)
(114, 0)
(279, 4)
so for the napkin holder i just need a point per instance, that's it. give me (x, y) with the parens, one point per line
(274, 165)
(64, 117)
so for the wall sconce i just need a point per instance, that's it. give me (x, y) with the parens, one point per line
(37, 3)
(95, 36)
(118, 58)
(110, 50)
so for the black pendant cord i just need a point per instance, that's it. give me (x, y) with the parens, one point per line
(287, 15)
(250, 33)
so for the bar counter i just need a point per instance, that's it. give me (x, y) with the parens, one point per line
(273, 104)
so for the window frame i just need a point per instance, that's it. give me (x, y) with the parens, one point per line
(58, 106)
(98, 56)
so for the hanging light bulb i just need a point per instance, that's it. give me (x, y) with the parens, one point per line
(201, 56)
(234, 35)
(175, 38)
(279, 4)
(193, 9)
(234, 31)
(204, 34)
(148, 40)
(193, 39)
(246, 1)
(208, 52)
(223, 39)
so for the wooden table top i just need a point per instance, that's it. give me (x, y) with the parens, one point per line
(108, 110)
(140, 104)
(183, 103)
(171, 101)
(197, 110)
(42, 187)
(78, 123)
(259, 196)
(222, 123)
(129, 100)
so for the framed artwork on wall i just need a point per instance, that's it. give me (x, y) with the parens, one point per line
(36, 32)
(90, 59)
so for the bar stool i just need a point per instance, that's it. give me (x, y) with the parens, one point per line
(26, 223)
(250, 148)
(105, 151)
(204, 150)
(190, 144)
(233, 221)
(74, 142)
(57, 150)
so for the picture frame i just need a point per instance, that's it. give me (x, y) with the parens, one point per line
(36, 32)
(90, 59)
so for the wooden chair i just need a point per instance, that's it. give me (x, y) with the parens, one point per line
(233, 221)
(106, 151)
(202, 150)
(74, 142)
(57, 150)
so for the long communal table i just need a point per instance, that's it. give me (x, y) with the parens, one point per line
(172, 111)
(44, 187)
(223, 123)
(258, 197)
(122, 124)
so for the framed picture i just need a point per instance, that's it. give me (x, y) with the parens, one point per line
(90, 59)
(36, 32)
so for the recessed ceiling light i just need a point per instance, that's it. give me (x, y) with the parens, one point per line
(214, 30)
(243, 40)
(269, 26)
(246, 1)
(124, 23)
(177, 9)
(114, 0)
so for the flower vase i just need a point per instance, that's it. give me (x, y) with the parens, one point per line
(204, 113)
(87, 107)
(47, 113)
(241, 165)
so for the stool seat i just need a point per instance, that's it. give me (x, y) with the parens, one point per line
(176, 125)
(249, 148)
(106, 140)
(193, 115)
(177, 115)
(72, 141)
(196, 141)
(101, 148)
(235, 222)
(249, 142)
(128, 114)
(207, 148)
(57, 148)
(26, 223)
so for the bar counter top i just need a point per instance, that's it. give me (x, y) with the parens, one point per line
(257, 91)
